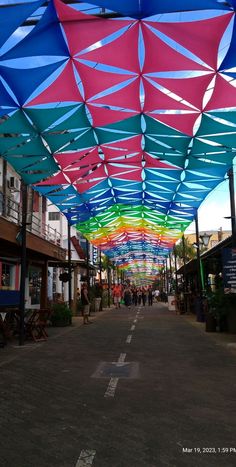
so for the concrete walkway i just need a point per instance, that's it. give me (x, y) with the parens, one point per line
(138, 388)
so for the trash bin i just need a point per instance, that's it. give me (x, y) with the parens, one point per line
(171, 303)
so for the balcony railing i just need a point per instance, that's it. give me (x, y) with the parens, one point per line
(11, 210)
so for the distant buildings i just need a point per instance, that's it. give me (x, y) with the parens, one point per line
(47, 246)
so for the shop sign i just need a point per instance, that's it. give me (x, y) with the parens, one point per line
(229, 269)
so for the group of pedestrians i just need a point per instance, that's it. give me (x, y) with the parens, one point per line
(132, 295)
(129, 295)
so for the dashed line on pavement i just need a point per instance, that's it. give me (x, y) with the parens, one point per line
(110, 392)
(111, 388)
(86, 458)
(128, 340)
(122, 357)
(132, 327)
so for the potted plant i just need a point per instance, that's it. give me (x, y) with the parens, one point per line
(216, 315)
(61, 315)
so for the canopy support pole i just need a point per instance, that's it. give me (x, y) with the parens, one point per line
(185, 274)
(199, 298)
(69, 266)
(109, 285)
(232, 205)
(24, 198)
(87, 264)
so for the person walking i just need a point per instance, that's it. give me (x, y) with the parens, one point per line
(134, 296)
(85, 303)
(150, 296)
(139, 296)
(117, 293)
(127, 296)
(144, 296)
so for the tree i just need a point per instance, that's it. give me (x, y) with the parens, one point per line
(190, 251)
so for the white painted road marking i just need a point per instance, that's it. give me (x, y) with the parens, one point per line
(135, 320)
(86, 458)
(128, 340)
(132, 327)
(122, 357)
(110, 392)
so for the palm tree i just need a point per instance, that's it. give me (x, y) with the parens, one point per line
(188, 251)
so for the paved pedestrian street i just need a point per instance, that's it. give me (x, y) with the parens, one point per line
(140, 387)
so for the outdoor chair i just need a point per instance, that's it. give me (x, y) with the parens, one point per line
(35, 326)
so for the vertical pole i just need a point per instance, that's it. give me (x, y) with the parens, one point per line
(87, 264)
(199, 304)
(24, 193)
(167, 281)
(184, 260)
(170, 263)
(176, 276)
(69, 265)
(4, 187)
(100, 267)
(185, 273)
(109, 285)
(199, 280)
(232, 205)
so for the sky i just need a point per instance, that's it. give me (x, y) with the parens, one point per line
(214, 208)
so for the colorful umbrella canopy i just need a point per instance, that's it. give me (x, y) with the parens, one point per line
(125, 118)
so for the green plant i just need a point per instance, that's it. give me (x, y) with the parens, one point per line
(223, 308)
(61, 315)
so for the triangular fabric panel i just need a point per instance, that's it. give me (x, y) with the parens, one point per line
(82, 34)
(184, 122)
(13, 16)
(44, 118)
(32, 45)
(97, 81)
(68, 13)
(113, 53)
(57, 91)
(190, 89)
(156, 99)
(188, 35)
(128, 97)
(159, 56)
(24, 81)
(224, 95)
(142, 8)
(102, 116)
(229, 60)
(17, 123)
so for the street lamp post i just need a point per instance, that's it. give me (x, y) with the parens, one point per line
(185, 273)
(204, 240)
(87, 264)
(24, 198)
(232, 206)
(166, 275)
(109, 285)
(69, 265)
(176, 275)
(100, 267)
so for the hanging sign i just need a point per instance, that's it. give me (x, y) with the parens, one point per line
(229, 269)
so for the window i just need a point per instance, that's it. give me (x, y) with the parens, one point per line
(35, 279)
(7, 276)
(54, 216)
